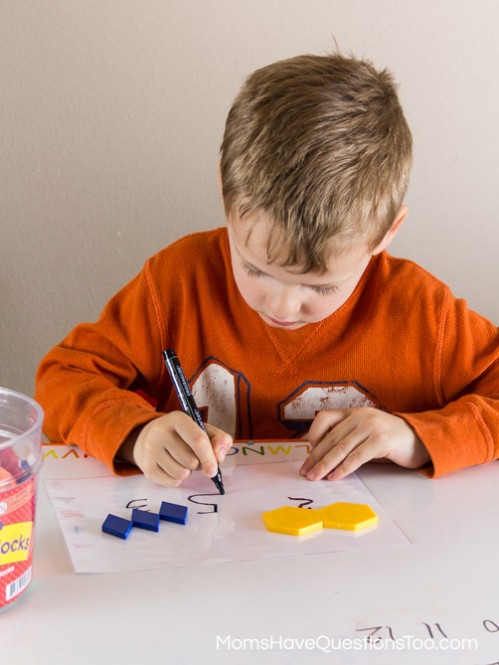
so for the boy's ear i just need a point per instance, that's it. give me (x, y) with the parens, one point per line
(392, 231)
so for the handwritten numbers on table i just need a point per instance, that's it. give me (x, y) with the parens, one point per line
(214, 506)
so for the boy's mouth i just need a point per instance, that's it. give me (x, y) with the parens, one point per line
(285, 324)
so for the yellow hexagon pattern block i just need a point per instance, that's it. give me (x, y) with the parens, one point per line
(292, 520)
(348, 516)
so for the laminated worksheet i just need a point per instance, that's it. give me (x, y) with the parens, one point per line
(219, 528)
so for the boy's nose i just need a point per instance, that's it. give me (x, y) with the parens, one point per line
(283, 305)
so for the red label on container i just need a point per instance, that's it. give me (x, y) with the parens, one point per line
(17, 513)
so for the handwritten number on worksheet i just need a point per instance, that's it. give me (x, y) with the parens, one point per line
(490, 626)
(141, 507)
(304, 503)
(378, 633)
(214, 506)
(376, 629)
(437, 625)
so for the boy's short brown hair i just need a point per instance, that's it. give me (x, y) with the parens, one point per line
(319, 143)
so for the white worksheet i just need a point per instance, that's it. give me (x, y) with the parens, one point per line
(218, 529)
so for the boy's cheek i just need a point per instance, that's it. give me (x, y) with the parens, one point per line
(321, 310)
(250, 293)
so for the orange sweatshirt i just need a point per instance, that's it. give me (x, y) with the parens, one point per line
(401, 343)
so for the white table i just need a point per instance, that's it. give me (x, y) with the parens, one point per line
(445, 585)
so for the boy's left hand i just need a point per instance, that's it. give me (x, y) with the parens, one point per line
(344, 439)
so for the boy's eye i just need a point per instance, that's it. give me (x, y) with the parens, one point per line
(252, 272)
(321, 290)
(324, 290)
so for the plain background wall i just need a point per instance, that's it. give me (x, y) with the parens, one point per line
(111, 117)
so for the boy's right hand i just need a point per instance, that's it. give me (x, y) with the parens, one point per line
(169, 448)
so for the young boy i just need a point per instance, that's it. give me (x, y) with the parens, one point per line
(293, 320)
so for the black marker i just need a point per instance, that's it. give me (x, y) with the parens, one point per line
(187, 400)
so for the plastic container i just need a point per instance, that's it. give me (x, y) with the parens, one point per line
(21, 421)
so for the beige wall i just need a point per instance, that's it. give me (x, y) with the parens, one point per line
(111, 115)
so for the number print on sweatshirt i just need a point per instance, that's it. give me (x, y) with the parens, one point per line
(222, 395)
(298, 410)
(224, 398)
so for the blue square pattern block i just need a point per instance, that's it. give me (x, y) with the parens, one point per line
(145, 520)
(172, 512)
(117, 526)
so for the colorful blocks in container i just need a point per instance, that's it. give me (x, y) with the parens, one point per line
(292, 520)
(172, 512)
(145, 520)
(117, 526)
(348, 516)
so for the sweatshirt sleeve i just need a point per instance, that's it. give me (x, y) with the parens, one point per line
(464, 431)
(90, 384)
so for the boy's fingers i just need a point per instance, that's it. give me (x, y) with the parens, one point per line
(151, 441)
(323, 422)
(221, 442)
(177, 460)
(319, 466)
(336, 440)
(168, 473)
(170, 447)
(210, 447)
(199, 441)
(351, 463)
(349, 455)
(329, 455)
